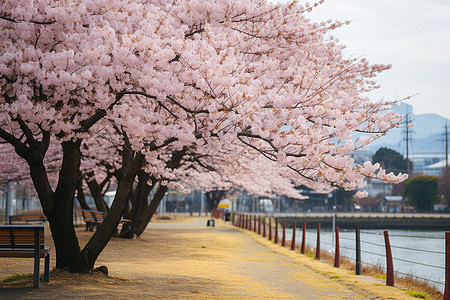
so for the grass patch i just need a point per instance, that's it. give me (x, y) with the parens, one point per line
(380, 276)
(195, 291)
(377, 284)
(326, 272)
(335, 276)
(310, 254)
(173, 281)
(17, 277)
(420, 295)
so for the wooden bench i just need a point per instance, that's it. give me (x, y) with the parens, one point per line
(26, 241)
(27, 218)
(92, 218)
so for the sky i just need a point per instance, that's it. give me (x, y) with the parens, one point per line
(412, 35)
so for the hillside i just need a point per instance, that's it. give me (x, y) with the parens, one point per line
(427, 135)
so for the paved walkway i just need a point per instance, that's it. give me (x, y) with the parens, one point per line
(187, 260)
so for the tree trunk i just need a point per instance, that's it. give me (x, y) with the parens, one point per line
(64, 236)
(142, 212)
(140, 196)
(213, 198)
(139, 201)
(141, 221)
(96, 193)
(80, 195)
(61, 215)
(58, 205)
(106, 229)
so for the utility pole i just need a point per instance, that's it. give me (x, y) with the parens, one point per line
(407, 144)
(446, 182)
(202, 201)
(9, 200)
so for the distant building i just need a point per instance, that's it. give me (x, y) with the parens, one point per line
(434, 169)
(394, 203)
(428, 163)
(375, 187)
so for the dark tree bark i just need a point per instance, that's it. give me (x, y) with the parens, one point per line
(139, 202)
(146, 216)
(108, 227)
(213, 198)
(142, 212)
(58, 205)
(80, 195)
(96, 193)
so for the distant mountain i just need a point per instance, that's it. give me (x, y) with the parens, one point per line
(427, 135)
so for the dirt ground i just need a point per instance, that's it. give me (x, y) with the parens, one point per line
(184, 259)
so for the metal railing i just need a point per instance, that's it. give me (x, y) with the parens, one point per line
(372, 248)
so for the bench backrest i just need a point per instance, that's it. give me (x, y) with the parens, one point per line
(21, 236)
(98, 215)
(92, 214)
(27, 218)
(85, 213)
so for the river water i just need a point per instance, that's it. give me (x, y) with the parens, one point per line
(420, 254)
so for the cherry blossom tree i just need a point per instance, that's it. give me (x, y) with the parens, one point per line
(207, 75)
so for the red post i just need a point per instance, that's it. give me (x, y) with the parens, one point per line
(264, 226)
(389, 263)
(283, 239)
(293, 236)
(447, 267)
(336, 250)
(246, 221)
(241, 220)
(259, 224)
(276, 231)
(303, 247)
(270, 228)
(254, 223)
(318, 242)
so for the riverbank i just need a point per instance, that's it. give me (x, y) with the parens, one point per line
(405, 221)
(184, 259)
